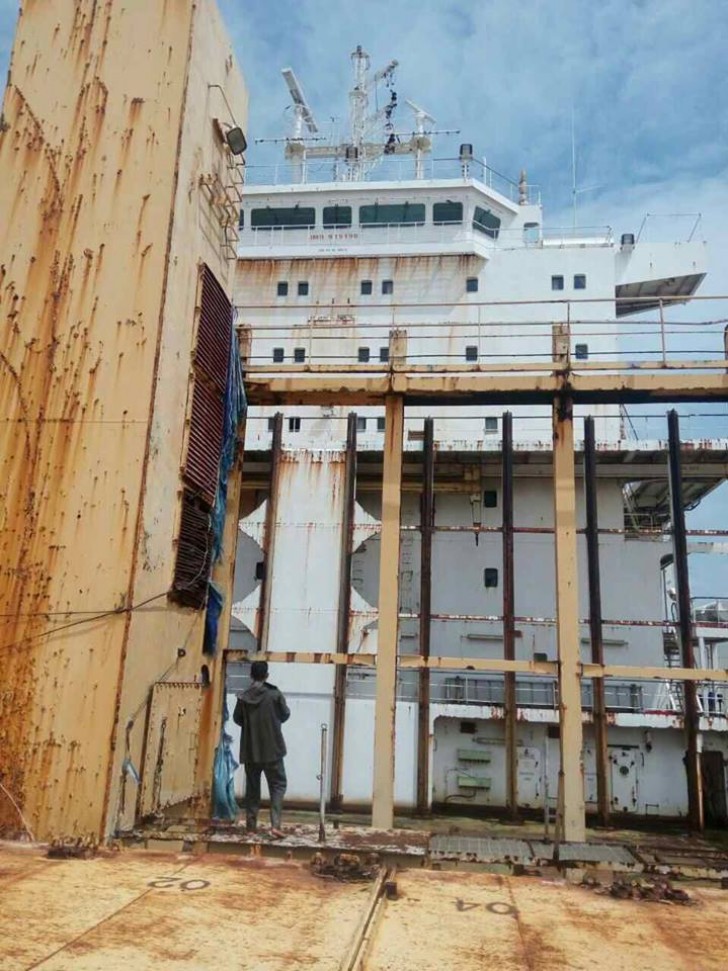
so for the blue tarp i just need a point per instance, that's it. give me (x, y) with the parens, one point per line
(224, 805)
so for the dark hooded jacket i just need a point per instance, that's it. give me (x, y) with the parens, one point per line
(260, 712)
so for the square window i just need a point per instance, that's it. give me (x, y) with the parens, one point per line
(299, 354)
(387, 286)
(279, 355)
(581, 352)
(282, 288)
(303, 288)
(490, 575)
(580, 281)
(366, 288)
(381, 424)
(271, 423)
(471, 353)
(384, 354)
(557, 283)
(294, 424)
(491, 425)
(363, 355)
(490, 499)
(361, 423)
(471, 284)
(468, 728)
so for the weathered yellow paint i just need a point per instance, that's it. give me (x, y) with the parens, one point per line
(108, 127)
(388, 624)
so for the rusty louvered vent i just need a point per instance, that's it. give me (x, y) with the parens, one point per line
(200, 473)
(194, 553)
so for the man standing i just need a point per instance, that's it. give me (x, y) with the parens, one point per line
(260, 711)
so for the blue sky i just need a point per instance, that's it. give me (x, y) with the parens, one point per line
(646, 80)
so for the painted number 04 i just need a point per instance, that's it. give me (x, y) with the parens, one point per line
(164, 883)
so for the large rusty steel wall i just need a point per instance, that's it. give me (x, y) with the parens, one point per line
(90, 156)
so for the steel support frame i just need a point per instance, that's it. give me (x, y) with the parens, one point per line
(601, 750)
(571, 768)
(385, 706)
(427, 523)
(342, 631)
(509, 623)
(682, 582)
(269, 536)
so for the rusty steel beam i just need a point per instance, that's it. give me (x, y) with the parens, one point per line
(342, 628)
(427, 523)
(571, 769)
(269, 535)
(509, 621)
(485, 387)
(685, 625)
(601, 751)
(388, 626)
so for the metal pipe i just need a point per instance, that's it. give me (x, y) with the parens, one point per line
(322, 783)
(342, 631)
(682, 582)
(263, 624)
(601, 753)
(509, 623)
(427, 523)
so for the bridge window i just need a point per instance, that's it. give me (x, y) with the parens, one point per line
(581, 352)
(491, 425)
(279, 355)
(490, 576)
(337, 217)
(381, 424)
(283, 217)
(447, 213)
(395, 214)
(384, 354)
(490, 499)
(361, 423)
(387, 286)
(294, 424)
(485, 222)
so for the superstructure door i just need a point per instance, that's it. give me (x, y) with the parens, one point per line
(624, 779)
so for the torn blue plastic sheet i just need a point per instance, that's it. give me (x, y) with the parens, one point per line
(224, 804)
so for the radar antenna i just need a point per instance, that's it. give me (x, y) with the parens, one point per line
(421, 142)
(302, 112)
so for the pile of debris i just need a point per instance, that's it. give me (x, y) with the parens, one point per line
(346, 867)
(81, 848)
(659, 891)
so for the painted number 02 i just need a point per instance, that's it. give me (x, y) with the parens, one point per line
(165, 883)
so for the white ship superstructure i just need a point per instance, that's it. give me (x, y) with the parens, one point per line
(368, 253)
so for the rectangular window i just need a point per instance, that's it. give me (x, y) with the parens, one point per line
(271, 423)
(490, 576)
(366, 288)
(490, 499)
(387, 286)
(260, 570)
(468, 728)
(471, 353)
(299, 355)
(581, 352)
(381, 424)
(279, 355)
(395, 214)
(491, 425)
(303, 288)
(283, 217)
(557, 283)
(447, 213)
(241, 219)
(485, 222)
(580, 281)
(384, 354)
(361, 423)
(337, 217)
(294, 424)
(282, 288)
(363, 355)
(471, 284)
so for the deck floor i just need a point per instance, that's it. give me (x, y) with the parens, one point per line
(138, 909)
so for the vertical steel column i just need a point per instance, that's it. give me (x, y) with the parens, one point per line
(270, 535)
(388, 627)
(342, 630)
(571, 770)
(427, 522)
(509, 624)
(682, 581)
(601, 752)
